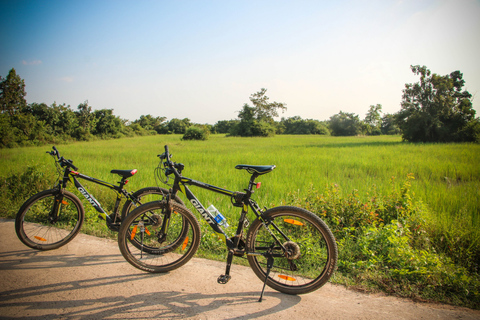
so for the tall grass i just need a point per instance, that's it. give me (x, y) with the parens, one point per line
(447, 175)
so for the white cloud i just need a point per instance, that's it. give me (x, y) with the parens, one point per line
(67, 79)
(31, 63)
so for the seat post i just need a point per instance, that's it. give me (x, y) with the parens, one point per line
(252, 182)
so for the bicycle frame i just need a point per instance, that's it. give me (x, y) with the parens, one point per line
(68, 173)
(181, 184)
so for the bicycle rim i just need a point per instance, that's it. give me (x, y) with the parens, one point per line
(146, 245)
(311, 250)
(35, 227)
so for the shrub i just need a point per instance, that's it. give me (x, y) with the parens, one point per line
(17, 188)
(196, 133)
(385, 244)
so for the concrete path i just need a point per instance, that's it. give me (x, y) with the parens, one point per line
(89, 279)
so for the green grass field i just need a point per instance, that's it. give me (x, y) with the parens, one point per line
(372, 257)
(447, 176)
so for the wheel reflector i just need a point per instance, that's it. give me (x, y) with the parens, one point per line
(40, 238)
(146, 230)
(185, 243)
(284, 277)
(294, 222)
(64, 202)
(134, 232)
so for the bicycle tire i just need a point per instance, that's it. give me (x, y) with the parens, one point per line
(147, 194)
(159, 252)
(312, 250)
(34, 228)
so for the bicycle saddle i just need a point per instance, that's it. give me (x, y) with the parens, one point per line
(124, 173)
(255, 169)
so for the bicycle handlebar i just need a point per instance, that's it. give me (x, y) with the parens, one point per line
(63, 162)
(175, 168)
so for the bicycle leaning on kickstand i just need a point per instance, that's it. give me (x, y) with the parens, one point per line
(52, 218)
(289, 248)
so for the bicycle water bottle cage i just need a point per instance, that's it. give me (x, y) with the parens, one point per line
(255, 169)
(124, 173)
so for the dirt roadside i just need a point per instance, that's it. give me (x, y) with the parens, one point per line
(89, 279)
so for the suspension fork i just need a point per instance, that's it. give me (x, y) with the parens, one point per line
(58, 200)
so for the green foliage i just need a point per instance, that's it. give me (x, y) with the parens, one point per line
(224, 126)
(12, 93)
(196, 133)
(436, 109)
(373, 121)
(385, 243)
(345, 124)
(176, 126)
(297, 125)
(389, 125)
(257, 121)
(150, 123)
(106, 124)
(17, 188)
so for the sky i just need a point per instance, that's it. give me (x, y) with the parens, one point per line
(203, 59)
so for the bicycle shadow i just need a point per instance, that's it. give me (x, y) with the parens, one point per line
(32, 259)
(159, 305)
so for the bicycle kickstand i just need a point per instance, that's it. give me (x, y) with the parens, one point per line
(269, 267)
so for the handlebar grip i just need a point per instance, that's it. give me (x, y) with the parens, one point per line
(56, 153)
(167, 155)
(70, 164)
(166, 151)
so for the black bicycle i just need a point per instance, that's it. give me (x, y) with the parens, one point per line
(290, 249)
(52, 218)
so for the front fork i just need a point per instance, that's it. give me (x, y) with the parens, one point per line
(57, 203)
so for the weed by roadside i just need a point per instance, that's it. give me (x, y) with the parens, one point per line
(385, 244)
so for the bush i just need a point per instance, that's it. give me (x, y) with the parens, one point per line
(385, 244)
(17, 188)
(196, 133)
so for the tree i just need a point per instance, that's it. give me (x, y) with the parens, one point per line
(264, 110)
(107, 125)
(345, 124)
(149, 122)
(297, 125)
(177, 126)
(196, 133)
(436, 109)
(12, 93)
(389, 125)
(86, 121)
(373, 120)
(258, 120)
(224, 126)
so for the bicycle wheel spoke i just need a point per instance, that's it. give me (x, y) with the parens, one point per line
(156, 241)
(39, 229)
(302, 262)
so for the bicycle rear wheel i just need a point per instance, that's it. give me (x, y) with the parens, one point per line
(37, 227)
(308, 256)
(155, 239)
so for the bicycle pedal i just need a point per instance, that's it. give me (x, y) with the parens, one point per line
(223, 279)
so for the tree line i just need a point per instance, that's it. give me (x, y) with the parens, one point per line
(436, 109)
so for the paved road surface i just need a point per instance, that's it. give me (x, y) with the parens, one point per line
(89, 279)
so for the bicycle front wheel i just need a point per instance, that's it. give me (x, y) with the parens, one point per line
(302, 247)
(157, 238)
(38, 227)
(145, 195)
